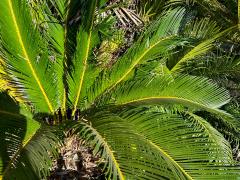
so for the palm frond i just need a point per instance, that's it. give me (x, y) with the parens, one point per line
(201, 49)
(197, 92)
(175, 143)
(202, 28)
(218, 66)
(6, 86)
(26, 56)
(42, 8)
(53, 30)
(149, 9)
(24, 143)
(60, 7)
(77, 74)
(97, 141)
(157, 41)
(35, 155)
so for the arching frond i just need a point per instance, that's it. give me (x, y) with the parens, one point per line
(218, 66)
(84, 41)
(187, 90)
(157, 41)
(201, 49)
(193, 92)
(158, 145)
(24, 143)
(201, 28)
(53, 31)
(26, 56)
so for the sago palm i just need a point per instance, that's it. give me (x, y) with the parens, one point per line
(143, 125)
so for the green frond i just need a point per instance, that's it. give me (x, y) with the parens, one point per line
(193, 92)
(26, 56)
(100, 145)
(218, 66)
(53, 31)
(35, 155)
(77, 72)
(24, 143)
(56, 34)
(202, 28)
(216, 136)
(158, 145)
(158, 40)
(149, 10)
(201, 49)
(5, 85)
(60, 7)
(228, 126)
(42, 8)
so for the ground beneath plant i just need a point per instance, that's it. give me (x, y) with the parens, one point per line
(76, 161)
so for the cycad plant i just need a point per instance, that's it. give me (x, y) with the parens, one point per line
(145, 123)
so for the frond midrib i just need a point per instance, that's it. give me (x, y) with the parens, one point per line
(83, 73)
(27, 57)
(170, 98)
(85, 58)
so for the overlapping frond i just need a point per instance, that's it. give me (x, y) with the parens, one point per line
(26, 56)
(217, 66)
(76, 76)
(52, 27)
(140, 144)
(187, 90)
(24, 143)
(194, 93)
(202, 28)
(46, 57)
(158, 40)
(200, 49)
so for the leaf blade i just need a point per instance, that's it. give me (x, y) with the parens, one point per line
(27, 56)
